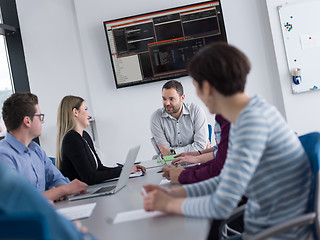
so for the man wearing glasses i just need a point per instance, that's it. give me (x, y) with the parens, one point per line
(22, 117)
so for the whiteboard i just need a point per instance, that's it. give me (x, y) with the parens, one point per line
(300, 25)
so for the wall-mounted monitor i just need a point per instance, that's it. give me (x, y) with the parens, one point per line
(158, 45)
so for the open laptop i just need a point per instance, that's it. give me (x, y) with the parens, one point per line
(123, 179)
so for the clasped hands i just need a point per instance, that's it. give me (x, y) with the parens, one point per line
(162, 199)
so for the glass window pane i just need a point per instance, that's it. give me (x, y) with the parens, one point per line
(6, 88)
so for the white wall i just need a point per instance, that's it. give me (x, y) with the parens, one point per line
(66, 53)
(301, 109)
(53, 57)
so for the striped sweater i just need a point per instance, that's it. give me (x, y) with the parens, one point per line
(267, 163)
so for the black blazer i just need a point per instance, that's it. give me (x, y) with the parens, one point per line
(78, 161)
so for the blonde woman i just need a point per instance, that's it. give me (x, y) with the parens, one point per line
(76, 155)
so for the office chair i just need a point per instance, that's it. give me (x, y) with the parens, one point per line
(311, 145)
(24, 226)
(210, 132)
(53, 160)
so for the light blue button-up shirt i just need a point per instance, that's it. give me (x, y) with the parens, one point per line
(187, 134)
(31, 162)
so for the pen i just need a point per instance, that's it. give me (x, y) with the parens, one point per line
(120, 165)
(144, 193)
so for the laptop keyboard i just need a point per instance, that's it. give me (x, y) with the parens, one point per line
(105, 189)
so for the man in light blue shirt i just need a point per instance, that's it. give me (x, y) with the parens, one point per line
(178, 127)
(26, 160)
(23, 120)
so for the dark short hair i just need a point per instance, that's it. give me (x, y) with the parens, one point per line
(223, 66)
(16, 107)
(174, 84)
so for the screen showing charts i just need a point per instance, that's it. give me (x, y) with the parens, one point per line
(158, 45)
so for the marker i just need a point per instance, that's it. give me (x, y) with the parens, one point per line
(144, 192)
(120, 165)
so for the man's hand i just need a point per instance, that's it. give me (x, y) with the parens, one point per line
(60, 192)
(208, 145)
(75, 187)
(164, 150)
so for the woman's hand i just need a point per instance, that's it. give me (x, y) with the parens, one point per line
(160, 199)
(156, 200)
(187, 154)
(186, 159)
(172, 173)
(151, 187)
(138, 168)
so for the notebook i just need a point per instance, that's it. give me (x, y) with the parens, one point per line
(122, 182)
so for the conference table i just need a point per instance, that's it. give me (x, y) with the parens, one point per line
(168, 226)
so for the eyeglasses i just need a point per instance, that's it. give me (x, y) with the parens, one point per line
(41, 116)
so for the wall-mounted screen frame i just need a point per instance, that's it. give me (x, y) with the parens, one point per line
(158, 45)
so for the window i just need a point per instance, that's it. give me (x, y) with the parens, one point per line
(5, 81)
(13, 71)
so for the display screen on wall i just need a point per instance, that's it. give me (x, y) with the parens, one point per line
(158, 45)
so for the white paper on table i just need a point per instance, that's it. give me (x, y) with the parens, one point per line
(135, 215)
(164, 181)
(77, 212)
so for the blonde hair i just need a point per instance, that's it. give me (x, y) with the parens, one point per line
(65, 121)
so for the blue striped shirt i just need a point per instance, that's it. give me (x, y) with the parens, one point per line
(267, 163)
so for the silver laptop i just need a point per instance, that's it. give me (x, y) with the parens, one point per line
(122, 182)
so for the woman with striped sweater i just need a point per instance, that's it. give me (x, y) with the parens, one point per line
(265, 160)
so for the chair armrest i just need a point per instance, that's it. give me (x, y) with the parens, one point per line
(305, 219)
(235, 214)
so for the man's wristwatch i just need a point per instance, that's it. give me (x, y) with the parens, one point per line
(172, 152)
